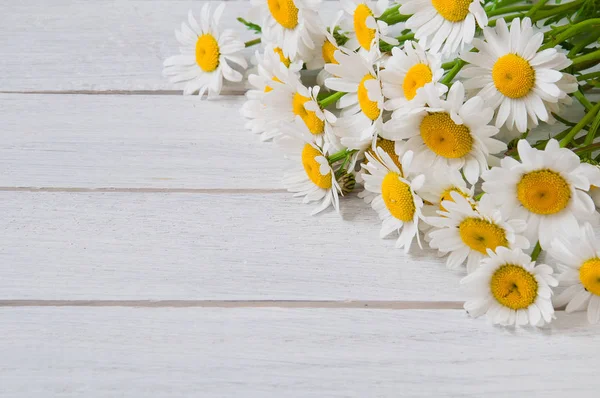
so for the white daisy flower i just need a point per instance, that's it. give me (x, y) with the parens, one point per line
(272, 67)
(522, 84)
(406, 72)
(206, 55)
(444, 24)
(365, 28)
(291, 24)
(391, 192)
(326, 46)
(579, 258)
(467, 231)
(547, 189)
(511, 290)
(362, 106)
(312, 177)
(438, 186)
(448, 133)
(290, 99)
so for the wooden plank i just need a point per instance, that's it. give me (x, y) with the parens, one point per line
(105, 352)
(141, 246)
(104, 45)
(147, 141)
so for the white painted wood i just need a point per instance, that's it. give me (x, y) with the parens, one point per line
(148, 141)
(99, 45)
(223, 246)
(131, 352)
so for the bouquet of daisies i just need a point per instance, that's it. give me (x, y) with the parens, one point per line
(439, 110)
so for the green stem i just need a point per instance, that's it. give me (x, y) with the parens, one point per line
(587, 76)
(556, 10)
(536, 251)
(536, 7)
(579, 126)
(336, 157)
(507, 19)
(593, 56)
(453, 72)
(325, 102)
(252, 43)
(449, 65)
(586, 149)
(589, 138)
(394, 19)
(571, 31)
(508, 10)
(582, 100)
(390, 11)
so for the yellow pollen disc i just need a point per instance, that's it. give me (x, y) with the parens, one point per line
(311, 167)
(589, 275)
(284, 60)
(314, 124)
(513, 76)
(369, 108)
(481, 235)
(446, 195)
(364, 34)
(543, 192)
(416, 77)
(207, 52)
(275, 79)
(514, 287)
(389, 148)
(284, 12)
(328, 50)
(398, 197)
(452, 10)
(444, 137)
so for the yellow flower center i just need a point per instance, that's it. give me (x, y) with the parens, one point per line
(416, 77)
(514, 287)
(364, 34)
(481, 235)
(452, 10)
(284, 60)
(284, 12)
(389, 148)
(314, 124)
(311, 167)
(446, 195)
(543, 192)
(328, 50)
(398, 197)
(207, 52)
(444, 137)
(589, 275)
(513, 76)
(369, 108)
(275, 79)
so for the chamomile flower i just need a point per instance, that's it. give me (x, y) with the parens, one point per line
(312, 177)
(291, 24)
(443, 24)
(290, 99)
(272, 67)
(547, 189)
(362, 106)
(438, 186)
(467, 231)
(326, 46)
(406, 72)
(391, 193)
(206, 55)
(366, 29)
(448, 133)
(511, 290)
(522, 84)
(579, 259)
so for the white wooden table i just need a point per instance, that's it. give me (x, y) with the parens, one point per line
(148, 250)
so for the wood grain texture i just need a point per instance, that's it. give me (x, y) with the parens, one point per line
(106, 352)
(130, 246)
(115, 141)
(112, 45)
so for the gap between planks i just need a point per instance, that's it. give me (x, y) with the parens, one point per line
(215, 191)
(359, 304)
